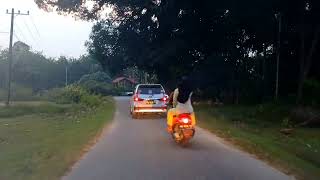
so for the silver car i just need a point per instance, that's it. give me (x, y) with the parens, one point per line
(148, 98)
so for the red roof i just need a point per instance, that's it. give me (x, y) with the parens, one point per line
(124, 78)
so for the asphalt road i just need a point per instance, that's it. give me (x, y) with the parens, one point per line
(142, 150)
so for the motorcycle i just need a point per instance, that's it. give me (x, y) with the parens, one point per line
(182, 130)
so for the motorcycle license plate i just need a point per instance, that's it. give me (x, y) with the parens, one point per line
(186, 126)
(151, 102)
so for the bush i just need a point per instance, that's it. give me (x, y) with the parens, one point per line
(91, 100)
(71, 94)
(98, 77)
(74, 94)
(98, 83)
(99, 88)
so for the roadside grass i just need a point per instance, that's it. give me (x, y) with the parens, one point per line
(42, 140)
(256, 129)
(38, 107)
(19, 93)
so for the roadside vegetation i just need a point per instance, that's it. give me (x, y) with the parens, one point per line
(42, 139)
(268, 131)
(236, 53)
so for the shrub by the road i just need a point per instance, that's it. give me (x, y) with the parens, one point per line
(74, 94)
(98, 83)
(98, 76)
(100, 88)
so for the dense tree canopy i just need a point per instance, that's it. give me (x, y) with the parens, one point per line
(229, 47)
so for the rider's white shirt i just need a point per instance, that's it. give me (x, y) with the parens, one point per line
(183, 107)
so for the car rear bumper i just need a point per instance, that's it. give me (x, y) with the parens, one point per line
(150, 110)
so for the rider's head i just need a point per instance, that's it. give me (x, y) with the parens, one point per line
(183, 82)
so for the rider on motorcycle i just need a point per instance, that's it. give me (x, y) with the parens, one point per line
(181, 101)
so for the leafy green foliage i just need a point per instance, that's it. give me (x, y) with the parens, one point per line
(96, 87)
(37, 72)
(97, 83)
(75, 94)
(71, 94)
(234, 43)
(101, 77)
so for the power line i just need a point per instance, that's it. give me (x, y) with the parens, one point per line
(34, 25)
(21, 33)
(30, 32)
(24, 22)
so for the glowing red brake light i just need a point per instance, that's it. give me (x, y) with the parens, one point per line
(136, 98)
(184, 119)
(164, 99)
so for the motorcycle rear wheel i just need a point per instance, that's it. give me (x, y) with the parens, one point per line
(178, 139)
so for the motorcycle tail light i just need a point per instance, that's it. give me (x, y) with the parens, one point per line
(185, 120)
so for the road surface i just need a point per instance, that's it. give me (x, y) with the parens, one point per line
(142, 150)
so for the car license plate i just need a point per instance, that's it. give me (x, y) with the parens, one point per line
(151, 102)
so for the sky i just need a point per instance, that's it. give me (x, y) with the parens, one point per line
(52, 34)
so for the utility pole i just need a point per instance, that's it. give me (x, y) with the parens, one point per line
(279, 17)
(66, 75)
(11, 52)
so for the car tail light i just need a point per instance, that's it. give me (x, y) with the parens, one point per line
(136, 98)
(164, 98)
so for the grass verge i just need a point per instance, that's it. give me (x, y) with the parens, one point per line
(42, 140)
(256, 129)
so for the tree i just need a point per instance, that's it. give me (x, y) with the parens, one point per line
(232, 42)
(34, 70)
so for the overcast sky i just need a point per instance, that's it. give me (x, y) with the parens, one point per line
(58, 35)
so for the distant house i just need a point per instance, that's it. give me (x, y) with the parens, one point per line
(124, 82)
(21, 47)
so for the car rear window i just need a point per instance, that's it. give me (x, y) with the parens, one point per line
(150, 89)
